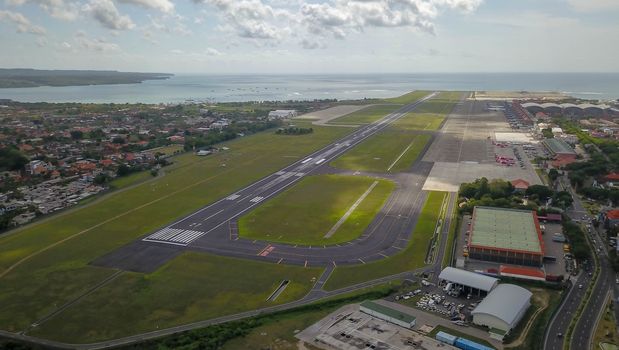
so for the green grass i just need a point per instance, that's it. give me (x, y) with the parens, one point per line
(135, 303)
(304, 213)
(441, 104)
(129, 180)
(167, 150)
(538, 328)
(54, 276)
(454, 229)
(408, 98)
(457, 333)
(606, 331)
(419, 121)
(430, 114)
(366, 115)
(379, 152)
(411, 258)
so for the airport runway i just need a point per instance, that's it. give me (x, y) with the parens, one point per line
(213, 228)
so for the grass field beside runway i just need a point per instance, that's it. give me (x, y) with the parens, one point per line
(367, 115)
(54, 276)
(430, 114)
(409, 259)
(304, 213)
(380, 109)
(190, 288)
(441, 104)
(409, 97)
(389, 148)
(419, 121)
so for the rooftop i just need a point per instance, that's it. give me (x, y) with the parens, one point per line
(495, 303)
(507, 229)
(388, 311)
(468, 278)
(558, 146)
(613, 214)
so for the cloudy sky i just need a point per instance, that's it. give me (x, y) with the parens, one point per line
(311, 36)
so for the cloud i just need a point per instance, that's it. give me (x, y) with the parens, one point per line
(260, 20)
(59, 9)
(593, 5)
(212, 52)
(252, 19)
(82, 41)
(165, 6)
(106, 13)
(22, 23)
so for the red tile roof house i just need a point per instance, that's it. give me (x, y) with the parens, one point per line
(612, 217)
(520, 185)
(611, 180)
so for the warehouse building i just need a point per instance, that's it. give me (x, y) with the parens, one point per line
(507, 236)
(471, 282)
(502, 309)
(561, 152)
(388, 314)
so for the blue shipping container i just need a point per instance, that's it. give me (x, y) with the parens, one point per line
(466, 344)
(446, 338)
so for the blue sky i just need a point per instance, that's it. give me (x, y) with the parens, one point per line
(311, 36)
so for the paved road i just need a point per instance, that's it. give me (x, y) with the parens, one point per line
(583, 332)
(214, 229)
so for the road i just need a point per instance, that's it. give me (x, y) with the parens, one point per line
(213, 229)
(585, 326)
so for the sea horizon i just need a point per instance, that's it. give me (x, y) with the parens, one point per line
(183, 87)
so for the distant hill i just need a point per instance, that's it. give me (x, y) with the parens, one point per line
(19, 78)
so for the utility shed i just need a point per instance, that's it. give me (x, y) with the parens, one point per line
(503, 308)
(388, 314)
(468, 279)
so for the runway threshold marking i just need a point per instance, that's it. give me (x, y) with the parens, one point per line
(361, 260)
(305, 264)
(383, 255)
(398, 248)
(280, 260)
(334, 264)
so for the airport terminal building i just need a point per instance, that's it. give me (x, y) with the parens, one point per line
(506, 236)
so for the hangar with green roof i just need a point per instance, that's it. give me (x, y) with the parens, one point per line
(506, 236)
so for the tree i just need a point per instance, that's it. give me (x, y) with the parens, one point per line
(119, 140)
(77, 134)
(11, 159)
(553, 175)
(101, 179)
(542, 192)
(123, 170)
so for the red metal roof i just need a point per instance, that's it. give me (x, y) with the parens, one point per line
(613, 214)
(612, 177)
(524, 271)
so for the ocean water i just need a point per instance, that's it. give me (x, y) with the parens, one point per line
(228, 88)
